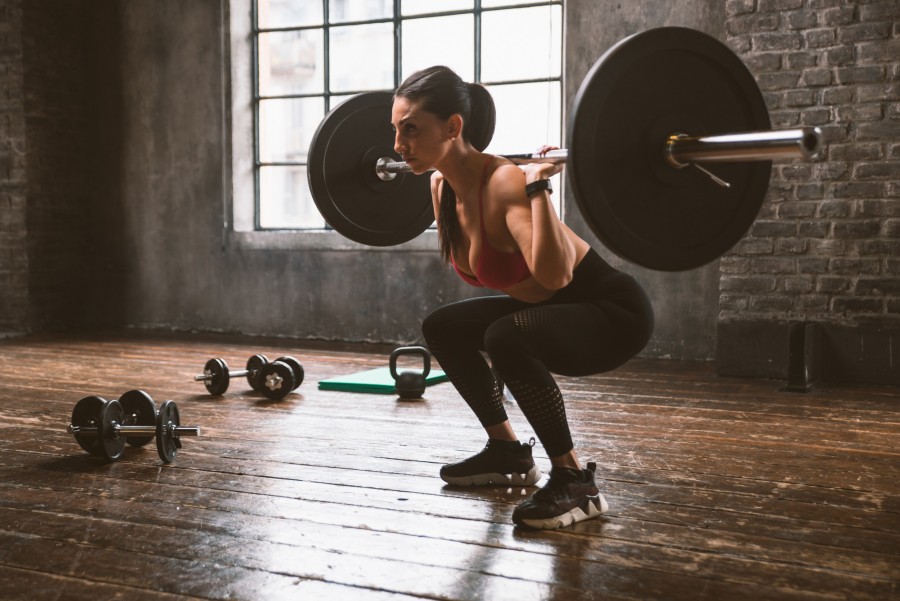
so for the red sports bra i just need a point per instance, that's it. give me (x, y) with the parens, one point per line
(495, 269)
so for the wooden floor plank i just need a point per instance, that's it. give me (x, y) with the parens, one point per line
(719, 488)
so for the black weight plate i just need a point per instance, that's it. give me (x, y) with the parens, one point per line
(342, 178)
(297, 367)
(648, 86)
(218, 370)
(167, 445)
(254, 365)
(277, 380)
(140, 410)
(86, 414)
(112, 446)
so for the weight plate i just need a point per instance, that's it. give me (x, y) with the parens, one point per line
(297, 368)
(341, 171)
(167, 444)
(111, 444)
(647, 87)
(254, 365)
(277, 380)
(140, 410)
(217, 369)
(86, 414)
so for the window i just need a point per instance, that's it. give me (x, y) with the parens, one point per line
(310, 55)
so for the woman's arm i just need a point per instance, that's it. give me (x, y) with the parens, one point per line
(549, 252)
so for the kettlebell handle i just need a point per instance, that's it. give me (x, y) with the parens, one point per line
(410, 350)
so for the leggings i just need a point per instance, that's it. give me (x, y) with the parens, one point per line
(600, 320)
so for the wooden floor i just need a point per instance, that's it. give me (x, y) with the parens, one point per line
(718, 488)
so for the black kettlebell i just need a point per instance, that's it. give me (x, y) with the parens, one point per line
(410, 384)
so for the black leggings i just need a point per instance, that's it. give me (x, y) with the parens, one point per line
(599, 321)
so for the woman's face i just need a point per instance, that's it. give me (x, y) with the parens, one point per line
(420, 137)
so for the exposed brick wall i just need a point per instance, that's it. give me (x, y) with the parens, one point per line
(58, 159)
(13, 232)
(826, 245)
(44, 156)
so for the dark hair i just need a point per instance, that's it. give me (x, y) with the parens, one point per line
(443, 93)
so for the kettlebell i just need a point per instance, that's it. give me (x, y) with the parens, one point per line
(410, 384)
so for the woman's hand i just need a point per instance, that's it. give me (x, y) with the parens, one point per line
(536, 171)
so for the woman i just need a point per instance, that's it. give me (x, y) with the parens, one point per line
(564, 309)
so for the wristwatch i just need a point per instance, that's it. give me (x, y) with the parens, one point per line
(538, 185)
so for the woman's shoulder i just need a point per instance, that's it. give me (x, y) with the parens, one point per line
(506, 180)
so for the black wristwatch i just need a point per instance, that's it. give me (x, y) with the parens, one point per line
(538, 185)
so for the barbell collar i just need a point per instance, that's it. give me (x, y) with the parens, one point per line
(681, 150)
(804, 143)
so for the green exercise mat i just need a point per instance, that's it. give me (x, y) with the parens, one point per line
(378, 381)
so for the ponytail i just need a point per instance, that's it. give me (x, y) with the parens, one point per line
(482, 117)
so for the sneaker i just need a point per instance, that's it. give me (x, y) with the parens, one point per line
(569, 496)
(501, 462)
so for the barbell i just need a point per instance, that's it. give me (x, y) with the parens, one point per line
(651, 109)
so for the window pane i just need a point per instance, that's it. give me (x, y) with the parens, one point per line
(291, 62)
(419, 7)
(286, 128)
(341, 11)
(288, 13)
(534, 34)
(496, 3)
(446, 41)
(362, 57)
(528, 116)
(285, 200)
(336, 100)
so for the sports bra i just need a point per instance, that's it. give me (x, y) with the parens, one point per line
(496, 269)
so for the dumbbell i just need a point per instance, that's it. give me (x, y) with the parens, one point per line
(410, 384)
(274, 380)
(103, 427)
(216, 376)
(280, 378)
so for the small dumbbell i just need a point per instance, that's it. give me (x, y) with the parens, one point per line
(280, 378)
(103, 427)
(216, 376)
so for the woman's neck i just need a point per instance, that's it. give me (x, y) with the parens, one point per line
(462, 169)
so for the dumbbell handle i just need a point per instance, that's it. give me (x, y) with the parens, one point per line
(139, 430)
(231, 374)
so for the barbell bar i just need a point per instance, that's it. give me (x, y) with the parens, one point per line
(680, 150)
(654, 103)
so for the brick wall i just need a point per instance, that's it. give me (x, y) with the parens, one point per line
(58, 159)
(826, 245)
(13, 258)
(44, 156)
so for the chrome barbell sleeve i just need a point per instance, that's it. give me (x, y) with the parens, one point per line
(804, 143)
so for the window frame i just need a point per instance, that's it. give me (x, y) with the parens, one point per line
(324, 237)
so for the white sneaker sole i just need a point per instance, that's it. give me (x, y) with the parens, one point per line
(595, 507)
(533, 475)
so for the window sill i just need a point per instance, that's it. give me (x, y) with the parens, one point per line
(323, 240)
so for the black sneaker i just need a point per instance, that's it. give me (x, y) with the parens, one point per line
(569, 496)
(501, 462)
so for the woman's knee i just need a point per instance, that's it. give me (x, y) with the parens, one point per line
(503, 340)
(434, 324)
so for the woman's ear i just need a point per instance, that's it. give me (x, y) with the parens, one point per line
(454, 126)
